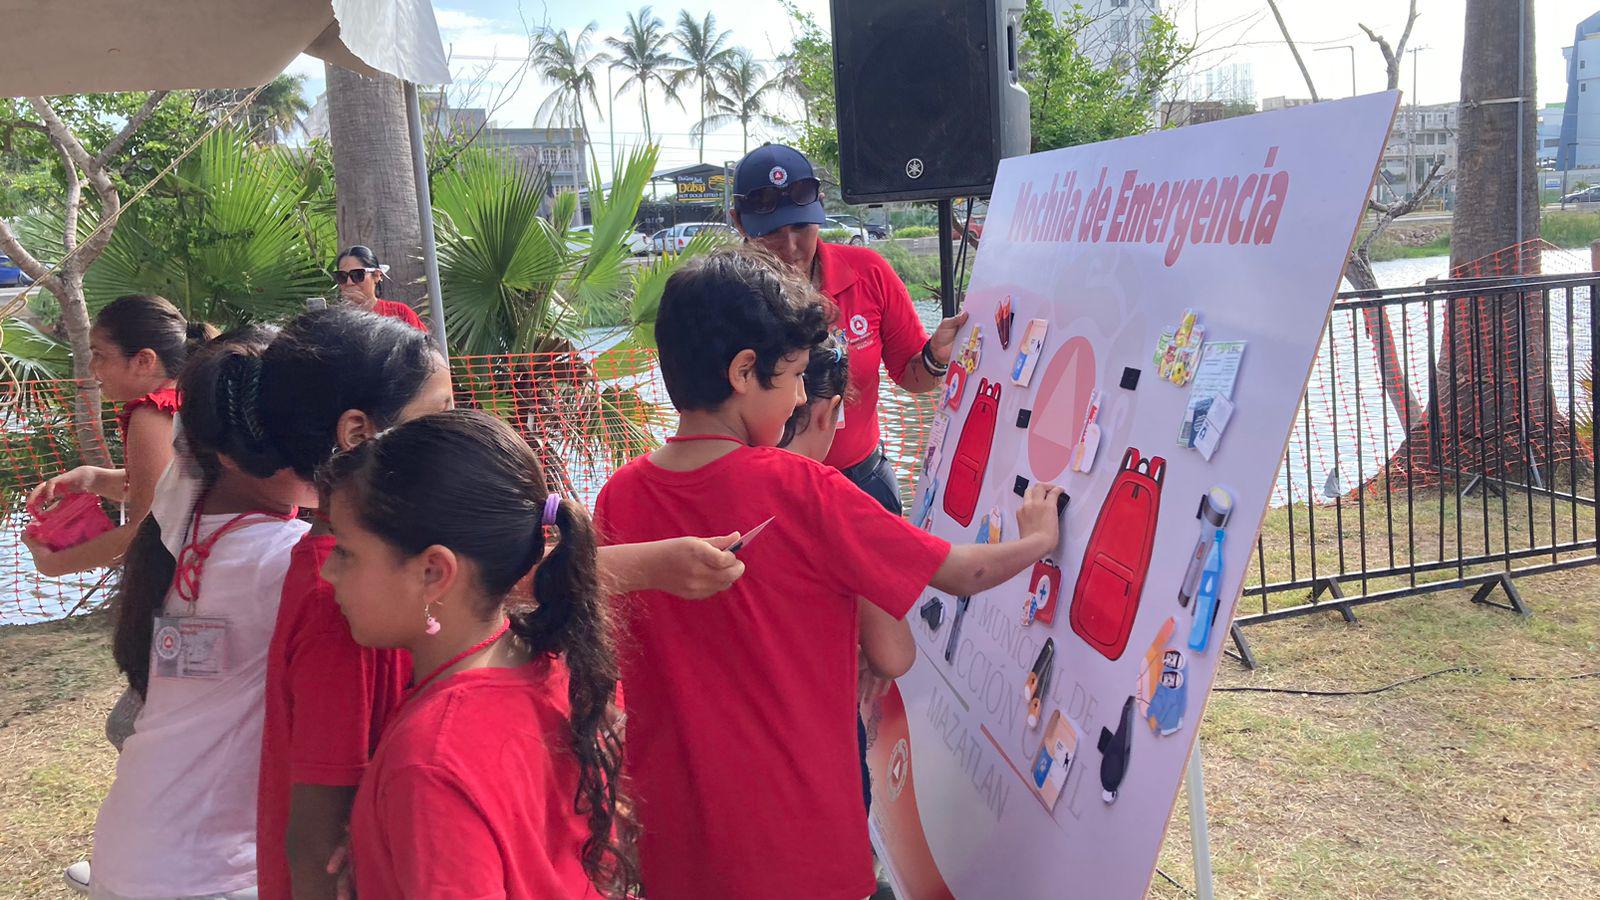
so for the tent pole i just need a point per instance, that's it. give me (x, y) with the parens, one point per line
(430, 250)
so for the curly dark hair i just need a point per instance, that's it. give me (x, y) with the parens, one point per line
(827, 376)
(730, 300)
(465, 480)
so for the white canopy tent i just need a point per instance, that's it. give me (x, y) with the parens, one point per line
(79, 46)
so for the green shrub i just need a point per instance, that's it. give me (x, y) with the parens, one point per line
(837, 235)
(916, 231)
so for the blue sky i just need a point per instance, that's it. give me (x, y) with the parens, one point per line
(1227, 32)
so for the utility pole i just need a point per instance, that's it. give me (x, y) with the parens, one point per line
(1352, 49)
(1411, 127)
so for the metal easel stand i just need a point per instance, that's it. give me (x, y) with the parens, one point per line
(1200, 836)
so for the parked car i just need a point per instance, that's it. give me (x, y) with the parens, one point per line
(876, 231)
(1587, 195)
(10, 275)
(677, 237)
(858, 231)
(638, 244)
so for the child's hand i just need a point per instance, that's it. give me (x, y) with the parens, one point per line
(695, 568)
(75, 481)
(1039, 519)
(339, 867)
(44, 559)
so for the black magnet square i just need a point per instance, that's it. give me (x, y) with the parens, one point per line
(1021, 487)
(1024, 416)
(1130, 379)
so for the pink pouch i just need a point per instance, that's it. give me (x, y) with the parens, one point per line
(67, 520)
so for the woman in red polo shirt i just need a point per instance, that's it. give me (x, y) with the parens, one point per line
(360, 278)
(779, 206)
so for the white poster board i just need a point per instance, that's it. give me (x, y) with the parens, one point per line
(1243, 222)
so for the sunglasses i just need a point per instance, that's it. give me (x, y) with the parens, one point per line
(764, 200)
(356, 275)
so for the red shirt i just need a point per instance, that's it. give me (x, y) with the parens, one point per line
(164, 400)
(471, 793)
(396, 310)
(327, 700)
(741, 739)
(880, 326)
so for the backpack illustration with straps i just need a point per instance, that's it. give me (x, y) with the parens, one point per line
(1106, 596)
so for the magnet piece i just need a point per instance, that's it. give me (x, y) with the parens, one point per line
(962, 605)
(1024, 416)
(1044, 587)
(1038, 682)
(954, 384)
(922, 513)
(990, 527)
(1116, 753)
(1028, 354)
(1165, 715)
(932, 612)
(1003, 317)
(934, 451)
(1130, 379)
(1215, 507)
(1088, 446)
(1053, 761)
(1021, 486)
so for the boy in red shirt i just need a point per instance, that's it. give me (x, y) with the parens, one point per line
(741, 743)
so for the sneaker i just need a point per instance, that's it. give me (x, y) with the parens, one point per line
(77, 876)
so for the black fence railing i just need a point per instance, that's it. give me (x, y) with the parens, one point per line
(1445, 440)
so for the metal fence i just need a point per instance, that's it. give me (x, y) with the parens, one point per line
(1445, 440)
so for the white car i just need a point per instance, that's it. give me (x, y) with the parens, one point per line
(581, 236)
(676, 238)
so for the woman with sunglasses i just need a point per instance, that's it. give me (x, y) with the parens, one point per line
(359, 276)
(778, 204)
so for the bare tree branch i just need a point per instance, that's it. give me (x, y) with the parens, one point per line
(38, 271)
(1392, 211)
(1306, 73)
(132, 125)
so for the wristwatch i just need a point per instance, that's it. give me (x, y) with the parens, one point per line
(935, 368)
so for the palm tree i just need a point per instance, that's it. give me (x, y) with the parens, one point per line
(740, 95)
(703, 51)
(568, 63)
(273, 115)
(373, 177)
(641, 52)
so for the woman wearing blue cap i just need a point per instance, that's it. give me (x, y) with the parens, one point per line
(778, 204)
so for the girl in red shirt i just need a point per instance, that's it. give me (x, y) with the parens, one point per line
(332, 380)
(359, 276)
(137, 345)
(498, 774)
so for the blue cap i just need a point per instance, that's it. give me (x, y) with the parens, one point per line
(774, 165)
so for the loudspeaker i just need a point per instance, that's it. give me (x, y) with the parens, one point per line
(928, 96)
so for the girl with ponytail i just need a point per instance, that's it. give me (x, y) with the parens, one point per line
(498, 773)
(137, 346)
(195, 610)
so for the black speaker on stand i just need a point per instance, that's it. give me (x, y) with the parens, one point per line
(928, 103)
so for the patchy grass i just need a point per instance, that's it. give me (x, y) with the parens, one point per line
(57, 683)
(1464, 785)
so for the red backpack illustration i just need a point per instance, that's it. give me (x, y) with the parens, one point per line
(1106, 597)
(971, 458)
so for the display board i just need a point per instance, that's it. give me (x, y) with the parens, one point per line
(1144, 315)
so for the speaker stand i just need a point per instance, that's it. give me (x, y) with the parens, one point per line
(947, 256)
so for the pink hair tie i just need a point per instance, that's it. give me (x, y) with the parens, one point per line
(552, 503)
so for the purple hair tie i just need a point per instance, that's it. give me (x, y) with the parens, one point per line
(552, 503)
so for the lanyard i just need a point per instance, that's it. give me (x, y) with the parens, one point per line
(192, 558)
(481, 645)
(678, 438)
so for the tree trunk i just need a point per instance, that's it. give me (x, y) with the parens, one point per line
(86, 427)
(372, 174)
(1493, 412)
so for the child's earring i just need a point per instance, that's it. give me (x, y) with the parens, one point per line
(433, 624)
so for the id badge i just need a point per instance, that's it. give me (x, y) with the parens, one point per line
(190, 646)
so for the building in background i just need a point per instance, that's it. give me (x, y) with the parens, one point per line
(1227, 83)
(1116, 28)
(560, 153)
(1421, 136)
(1579, 145)
(1268, 104)
(1549, 139)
